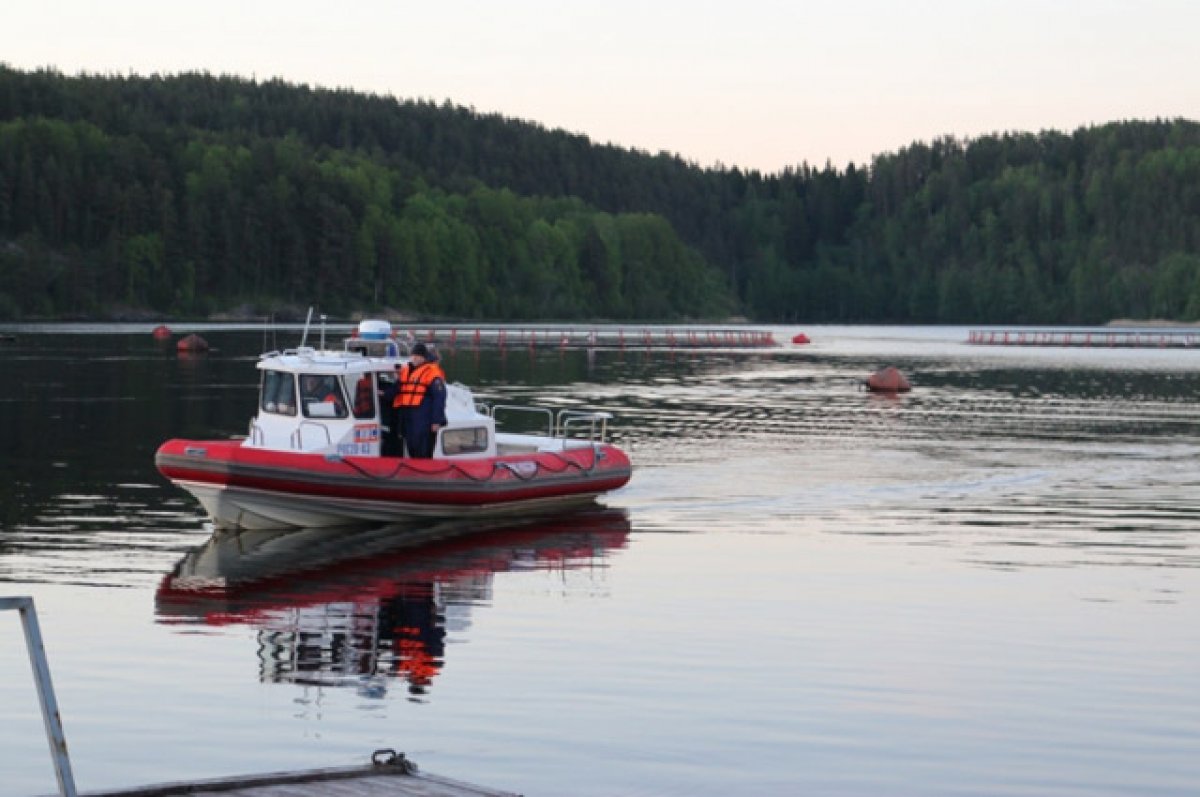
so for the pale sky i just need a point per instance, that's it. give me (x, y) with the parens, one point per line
(759, 84)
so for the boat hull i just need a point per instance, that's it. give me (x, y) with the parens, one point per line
(245, 487)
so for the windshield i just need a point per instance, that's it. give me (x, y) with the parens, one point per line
(278, 393)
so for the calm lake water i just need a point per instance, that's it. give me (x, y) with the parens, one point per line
(989, 586)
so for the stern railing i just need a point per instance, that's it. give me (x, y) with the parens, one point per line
(560, 425)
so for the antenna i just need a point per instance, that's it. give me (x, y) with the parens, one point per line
(307, 321)
(266, 326)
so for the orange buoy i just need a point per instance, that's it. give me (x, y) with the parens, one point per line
(888, 380)
(800, 338)
(192, 343)
(161, 332)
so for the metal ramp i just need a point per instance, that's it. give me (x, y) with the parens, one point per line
(46, 699)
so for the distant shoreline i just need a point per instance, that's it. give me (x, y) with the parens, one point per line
(1151, 322)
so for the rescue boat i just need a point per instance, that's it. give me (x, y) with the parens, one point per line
(313, 458)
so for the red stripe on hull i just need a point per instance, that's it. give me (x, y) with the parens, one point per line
(466, 483)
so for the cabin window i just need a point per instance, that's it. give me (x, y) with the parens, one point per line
(473, 440)
(278, 393)
(321, 396)
(364, 397)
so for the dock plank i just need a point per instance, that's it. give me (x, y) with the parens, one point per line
(363, 781)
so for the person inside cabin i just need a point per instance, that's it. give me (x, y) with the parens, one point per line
(364, 406)
(322, 389)
(421, 401)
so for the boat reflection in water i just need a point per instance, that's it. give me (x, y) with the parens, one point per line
(357, 607)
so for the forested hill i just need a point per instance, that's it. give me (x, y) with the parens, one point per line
(193, 193)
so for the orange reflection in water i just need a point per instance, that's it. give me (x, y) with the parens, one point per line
(358, 607)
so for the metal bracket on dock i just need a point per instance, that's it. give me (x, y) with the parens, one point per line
(391, 759)
(41, 675)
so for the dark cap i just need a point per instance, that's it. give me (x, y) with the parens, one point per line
(420, 350)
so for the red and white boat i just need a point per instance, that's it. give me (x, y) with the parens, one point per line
(310, 462)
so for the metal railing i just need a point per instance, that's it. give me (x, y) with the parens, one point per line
(297, 438)
(495, 413)
(560, 425)
(41, 676)
(596, 421)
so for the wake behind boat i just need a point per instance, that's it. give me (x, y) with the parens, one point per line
(313, 456)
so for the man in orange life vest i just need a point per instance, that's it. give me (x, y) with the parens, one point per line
(420, 401)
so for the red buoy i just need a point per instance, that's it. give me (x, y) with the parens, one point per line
(800, 338)
(888, 380)
(161, 332)
(192, 343)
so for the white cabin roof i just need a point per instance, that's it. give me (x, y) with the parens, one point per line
(306, 360)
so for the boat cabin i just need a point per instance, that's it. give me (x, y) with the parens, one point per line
(328, 402)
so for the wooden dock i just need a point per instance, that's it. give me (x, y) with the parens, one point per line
(1094, 338)
(396, 777)
(389, 773)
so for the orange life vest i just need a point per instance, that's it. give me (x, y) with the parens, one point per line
(415, 382)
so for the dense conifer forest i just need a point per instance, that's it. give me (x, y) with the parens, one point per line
(192, 194)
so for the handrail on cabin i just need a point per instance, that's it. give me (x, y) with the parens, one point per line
(297, 438)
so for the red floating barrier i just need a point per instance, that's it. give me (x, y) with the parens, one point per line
(800, 339)
(192, 343)
(162, 332)
(888, 380)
